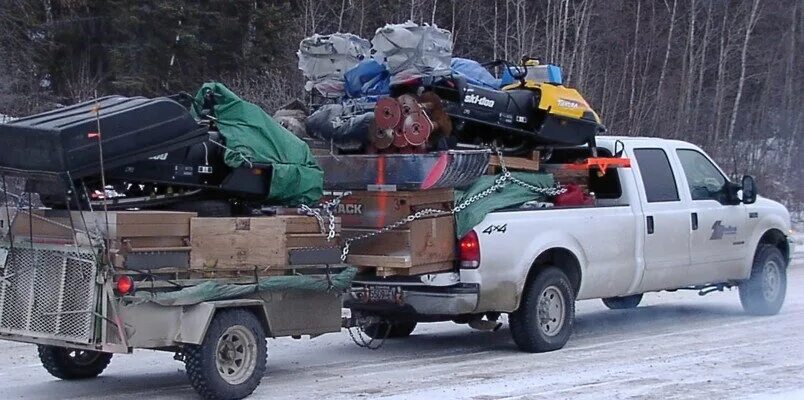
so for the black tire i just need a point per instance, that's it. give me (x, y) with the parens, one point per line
(764, 292)
(228, 333)
(397, 330)
(70, 364)
(205, 208)
(550, 289)
(623, 303)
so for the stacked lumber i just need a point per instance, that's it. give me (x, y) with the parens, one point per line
(254, 245)
(423, 246)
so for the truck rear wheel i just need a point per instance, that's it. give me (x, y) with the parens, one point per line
(69, 364)
(397, 330)
(764, 292)
(231, 361)
(622, 303)
(546, 313)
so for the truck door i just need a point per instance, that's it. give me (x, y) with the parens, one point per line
(718, 240)
(666, 230)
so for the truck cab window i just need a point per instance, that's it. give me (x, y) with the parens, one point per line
(657, 175)
(704, 179)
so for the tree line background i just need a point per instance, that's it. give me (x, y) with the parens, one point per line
(724, 74)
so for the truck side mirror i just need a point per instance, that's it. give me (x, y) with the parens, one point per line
(749, 187)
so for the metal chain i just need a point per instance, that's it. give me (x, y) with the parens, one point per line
(361, 340)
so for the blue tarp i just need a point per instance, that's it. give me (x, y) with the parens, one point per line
(368, 78)
(474, 72)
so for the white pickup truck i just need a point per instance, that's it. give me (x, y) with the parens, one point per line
(671, 221)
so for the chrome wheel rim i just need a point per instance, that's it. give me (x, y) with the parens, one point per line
(551, 312)
(771, 281)
(236, 354)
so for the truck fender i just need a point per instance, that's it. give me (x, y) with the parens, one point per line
(771, 230)
(195, 319)
(549, 244)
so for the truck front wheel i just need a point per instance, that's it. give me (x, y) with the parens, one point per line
(69, 364)
(546, 313)
(764, 292)
(231, 361)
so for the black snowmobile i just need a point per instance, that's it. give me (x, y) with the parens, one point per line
(152, 153)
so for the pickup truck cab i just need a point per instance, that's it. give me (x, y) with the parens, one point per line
(671, 221)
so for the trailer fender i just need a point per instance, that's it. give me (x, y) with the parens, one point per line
(195, 319)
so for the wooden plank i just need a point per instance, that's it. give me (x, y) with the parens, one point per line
(517, 163)
(387, 261)
(237, 243)
(417, 270)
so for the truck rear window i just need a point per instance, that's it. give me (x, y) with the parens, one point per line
(657, 175)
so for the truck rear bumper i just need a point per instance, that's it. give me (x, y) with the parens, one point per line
(410, 301)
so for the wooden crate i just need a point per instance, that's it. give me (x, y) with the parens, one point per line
(423, 246)
(252, 243)
(146, 228)
(364, 209)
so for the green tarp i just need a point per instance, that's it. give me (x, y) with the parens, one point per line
(509, 195)
(212, 290)
(253, 136)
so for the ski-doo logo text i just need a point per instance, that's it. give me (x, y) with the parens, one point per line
(568, 103)
(479, 100)
(159, 157)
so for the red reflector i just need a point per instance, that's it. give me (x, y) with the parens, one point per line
(469, 249)
(125, 285)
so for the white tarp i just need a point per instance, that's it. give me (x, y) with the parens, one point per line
(410, 50)
(324, 59)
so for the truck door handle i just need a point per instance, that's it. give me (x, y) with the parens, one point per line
(650, 224)
(694, 218)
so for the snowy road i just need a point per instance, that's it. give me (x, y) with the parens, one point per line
(676, 346)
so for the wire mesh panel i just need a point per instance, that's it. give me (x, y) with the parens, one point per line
(48, 293)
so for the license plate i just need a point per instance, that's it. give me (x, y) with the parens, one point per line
(381, 293)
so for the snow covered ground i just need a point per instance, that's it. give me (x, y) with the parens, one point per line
(675, 346)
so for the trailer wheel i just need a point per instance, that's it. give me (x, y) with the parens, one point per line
(397, 330)
(69, 364)
(231, 361)
(546, 313)
(764, 292)
(622, 303)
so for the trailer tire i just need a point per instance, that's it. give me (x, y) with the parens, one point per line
(764, 292)
(544, 319)
(398, 330)
(70, 364)
(623, 303)
(231, 361)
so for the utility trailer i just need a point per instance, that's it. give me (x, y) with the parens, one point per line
(80, 311)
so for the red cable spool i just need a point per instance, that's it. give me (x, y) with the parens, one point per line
(417, 128)
(387, 113)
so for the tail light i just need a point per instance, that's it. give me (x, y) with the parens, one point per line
(469, 250)
(125, 285)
